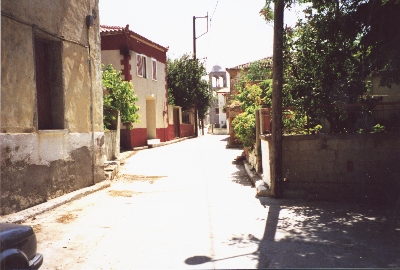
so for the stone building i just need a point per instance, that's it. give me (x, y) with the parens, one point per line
(143, 62)
(51, 100)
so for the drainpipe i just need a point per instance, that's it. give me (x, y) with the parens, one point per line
(89, 24)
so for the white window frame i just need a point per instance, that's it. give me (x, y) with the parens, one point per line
(143, 58)
(154, 65)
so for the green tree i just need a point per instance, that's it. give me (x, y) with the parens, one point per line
(379, 22)
(254, 91)
(186, 88)
(325, 63)
(118, 97)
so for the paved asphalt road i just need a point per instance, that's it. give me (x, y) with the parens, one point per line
(185, 205)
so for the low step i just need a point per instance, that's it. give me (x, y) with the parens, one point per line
(153, 142)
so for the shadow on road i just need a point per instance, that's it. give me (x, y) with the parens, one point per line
(326, 234)
(240, 176)
(302, 234)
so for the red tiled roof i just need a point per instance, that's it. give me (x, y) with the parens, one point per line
(267, 60)
(107, 29)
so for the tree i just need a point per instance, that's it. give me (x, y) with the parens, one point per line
(186, 88)
(119, 98)
(380, 38)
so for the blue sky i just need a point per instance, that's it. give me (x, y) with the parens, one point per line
(237, 33)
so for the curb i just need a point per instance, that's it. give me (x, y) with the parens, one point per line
(23, 215)
(261, 189)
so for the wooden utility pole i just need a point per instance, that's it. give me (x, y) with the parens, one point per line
(277, 80)
(196, 130)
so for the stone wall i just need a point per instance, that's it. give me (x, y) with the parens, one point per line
(359, 167)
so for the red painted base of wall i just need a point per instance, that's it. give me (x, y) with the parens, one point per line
(138, 136)
(187, 130)
(133, 138)
(164, 134)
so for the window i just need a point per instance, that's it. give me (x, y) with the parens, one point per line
(154, 68)
(216, 110)
(49, 87)
(141, 65)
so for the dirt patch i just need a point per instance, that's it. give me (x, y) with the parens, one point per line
(142, 178)
(122, 193)
(37, 228)
(67, 218)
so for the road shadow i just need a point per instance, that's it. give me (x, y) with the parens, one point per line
(316, 234)
(240, 176)
(321, 234)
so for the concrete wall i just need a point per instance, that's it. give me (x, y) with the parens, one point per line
(389, 94)
(37, 165)
(221, 104)
(340, 166)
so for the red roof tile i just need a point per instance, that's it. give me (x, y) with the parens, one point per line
(107, 29)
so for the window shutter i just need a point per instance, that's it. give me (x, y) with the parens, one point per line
(144, 67)
(154, 70)
(139, 65)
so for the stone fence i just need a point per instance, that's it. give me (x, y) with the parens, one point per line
(351, 167)
(111, 144)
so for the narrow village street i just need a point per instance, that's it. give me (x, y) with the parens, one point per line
(186, 205)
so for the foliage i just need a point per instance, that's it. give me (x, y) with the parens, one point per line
(378, 128)
(330, 56)
(260, 70)
(186, 86)
(118, 97)
(252, 95)
(245, 128)
(324, 65)
(380, 37)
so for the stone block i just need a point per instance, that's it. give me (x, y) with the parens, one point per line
(327, 166)
(323, 154)
(290, 145)
(366, 142)
(347, 154)
(348, 144)
(308, 145)
(340, 167)
(298, 166)
(315, 165)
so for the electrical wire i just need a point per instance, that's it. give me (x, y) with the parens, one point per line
(210, 29)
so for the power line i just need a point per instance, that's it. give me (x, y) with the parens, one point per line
(214, 11)
(209, 35)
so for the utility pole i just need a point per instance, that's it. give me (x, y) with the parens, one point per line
(277, 80)
(196, 120)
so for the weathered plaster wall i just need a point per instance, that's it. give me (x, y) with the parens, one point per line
(36, 167)
(39, 165)
(340, 166)
(64, 19)
(17, 77)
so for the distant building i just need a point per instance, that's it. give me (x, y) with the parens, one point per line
(144, 63)
(219, 85)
